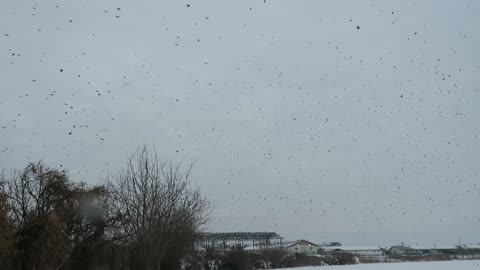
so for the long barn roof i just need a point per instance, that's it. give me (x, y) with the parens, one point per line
(237, 236)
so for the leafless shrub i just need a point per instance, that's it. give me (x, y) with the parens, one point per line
(158, 209)
(6, 228)
(48, 217)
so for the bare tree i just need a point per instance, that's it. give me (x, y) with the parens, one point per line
(6, 228)
(159, 210)
(53, 219)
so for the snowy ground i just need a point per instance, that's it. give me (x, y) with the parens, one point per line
(445, 265)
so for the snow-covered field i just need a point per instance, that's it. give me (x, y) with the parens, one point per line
(445, 265)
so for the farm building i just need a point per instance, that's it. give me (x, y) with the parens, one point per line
(249, 241)
(401, 250)
(301, 247)
(421, 250)
(362, 251)
(469, 249)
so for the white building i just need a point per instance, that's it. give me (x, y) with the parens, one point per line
(361, 251)
(402, 251)
(471, 247)
(422, 250)
(301, 247)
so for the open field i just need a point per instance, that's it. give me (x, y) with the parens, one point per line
(444, 265)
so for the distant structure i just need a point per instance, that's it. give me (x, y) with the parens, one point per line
(361, 251)
(251, 241)
(301, 247)
(403, 250)
(470, 248)
(332, 244)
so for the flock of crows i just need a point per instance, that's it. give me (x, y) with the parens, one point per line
(91, 111)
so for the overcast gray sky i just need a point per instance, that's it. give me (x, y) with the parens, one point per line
(350, 121)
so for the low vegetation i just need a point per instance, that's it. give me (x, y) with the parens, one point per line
(144, 217)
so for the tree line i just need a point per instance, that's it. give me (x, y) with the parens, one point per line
(143, 217)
